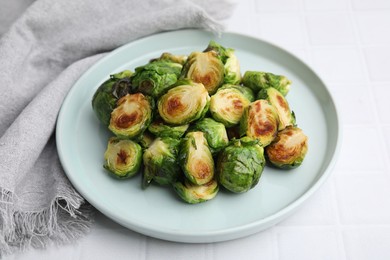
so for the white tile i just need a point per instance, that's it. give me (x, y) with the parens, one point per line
(326, 5)
(342, 65)
(283, 29)
(370, 4)
(367, 243)
(361, 150)
(318, 210)
(363, 199)
(163, 250)
(382, 96)
(330, 28)
(277, 5)
(112, 244)
(320, 243)
(378, 62)
(386, 132)
(373, 27)
(261, 244)
(355, 103)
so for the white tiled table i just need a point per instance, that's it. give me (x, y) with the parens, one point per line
(348, 43)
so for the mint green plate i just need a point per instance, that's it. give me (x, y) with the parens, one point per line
(157, 211)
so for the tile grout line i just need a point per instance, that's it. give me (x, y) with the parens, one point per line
(369, 83)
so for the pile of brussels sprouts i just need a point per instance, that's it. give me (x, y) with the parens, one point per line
(194, 123)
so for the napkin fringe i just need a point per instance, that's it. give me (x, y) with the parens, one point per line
(63, 222)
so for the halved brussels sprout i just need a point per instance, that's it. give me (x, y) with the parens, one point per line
(186, 102)
(205, 68)
(240, 165)
(160, 161)
(193, 194)
(214, 132)
(196, 159)
(257, 80)
(275, 98)
(229, 60)
(123, 158)
(181, 59)
(260, 120)
(105, 97)
(132, 115)
(159, 128)
(228, 104)
(289, 148)
(156, 77)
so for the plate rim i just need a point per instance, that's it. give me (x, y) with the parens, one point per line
(212, 235)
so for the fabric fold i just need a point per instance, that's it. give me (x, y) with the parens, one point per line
(41, 56)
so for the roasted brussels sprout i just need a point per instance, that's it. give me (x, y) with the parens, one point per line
(132, 115)
(156, 77)
(181, 59)
(160, 161)
(123, 158)
(229, 59)
(228, 104)
(240, 165)
(260, 120)
(289, 148)
(205, 68)
(275, 98)
(257, 80)
(159, 128)
(214, 132)
(186, 102)
(192, 193)
(196, 159)
(105, 98)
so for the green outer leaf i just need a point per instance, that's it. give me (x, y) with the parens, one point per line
(257, 80)
(160, 161)
(214, 132)
(161, 129)
(105, 97)
(156, 77)
(240, 165)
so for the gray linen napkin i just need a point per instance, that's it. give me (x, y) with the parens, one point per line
(42, 55)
